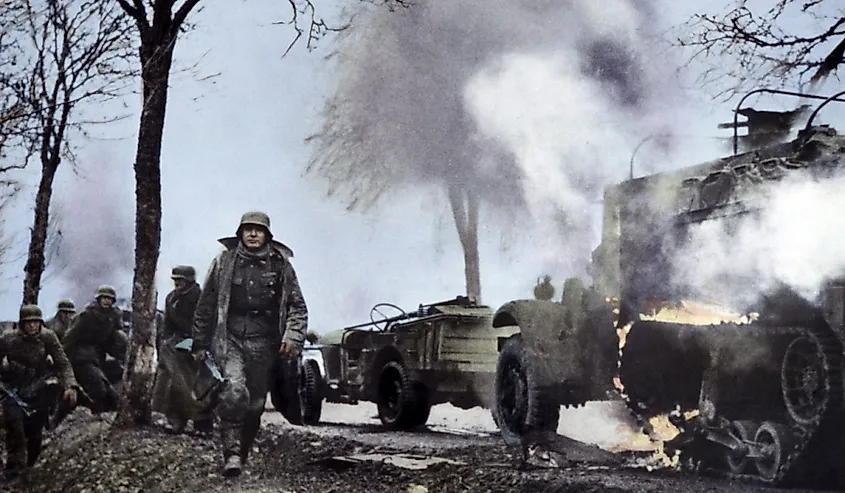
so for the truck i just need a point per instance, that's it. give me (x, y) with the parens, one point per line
(756, 391)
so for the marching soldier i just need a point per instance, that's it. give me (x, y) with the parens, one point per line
(31, 355)
(251, 311)
(178, 368)
(94, 333)
(65, 311)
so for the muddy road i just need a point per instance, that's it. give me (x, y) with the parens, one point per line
(350, 452)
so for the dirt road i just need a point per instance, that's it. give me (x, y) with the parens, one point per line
(350, 452)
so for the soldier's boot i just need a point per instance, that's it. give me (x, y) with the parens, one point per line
(204, 427)
(34, 441)
(231, 438)
(249, 431)
(175, 426)
(232, 467)
(16, 444)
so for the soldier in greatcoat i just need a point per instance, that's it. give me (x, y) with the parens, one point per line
(250, 312)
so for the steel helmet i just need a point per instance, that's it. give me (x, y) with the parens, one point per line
(106, 290)
(183, 272)
(30, 312)
(66, 305)
(257, 218)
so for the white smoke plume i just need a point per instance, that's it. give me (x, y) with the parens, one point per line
(531, 106)
(796, 240)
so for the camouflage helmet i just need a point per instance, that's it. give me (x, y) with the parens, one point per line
(66, 305)
(257, 218)
(105, 290)
(30, 312)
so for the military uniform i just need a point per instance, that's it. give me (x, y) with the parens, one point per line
(94, 333)
(61, 323)
(250, 304)
(29, 362)
(177, 369)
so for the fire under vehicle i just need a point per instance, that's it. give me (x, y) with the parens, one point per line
(756, 393)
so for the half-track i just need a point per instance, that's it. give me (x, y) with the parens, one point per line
(756, 393)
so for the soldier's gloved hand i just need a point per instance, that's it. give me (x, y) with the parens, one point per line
(70, 396)
(199, 355)
(289, 349)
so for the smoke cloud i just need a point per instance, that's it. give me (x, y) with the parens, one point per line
(794, 241)
(531, 106)
(97, 229)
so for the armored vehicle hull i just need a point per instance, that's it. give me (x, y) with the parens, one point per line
(755, 391)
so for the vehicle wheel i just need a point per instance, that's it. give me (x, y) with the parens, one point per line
(745, 431)
(774, 441)
(521, 406)
(398, 398)
(284, 393)
(423, 408)
(311, 392)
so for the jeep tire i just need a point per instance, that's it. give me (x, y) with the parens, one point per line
(522, 406)
(401, 402)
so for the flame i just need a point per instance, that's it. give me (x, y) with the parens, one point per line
(695, 313)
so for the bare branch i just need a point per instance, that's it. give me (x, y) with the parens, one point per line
(768, 48)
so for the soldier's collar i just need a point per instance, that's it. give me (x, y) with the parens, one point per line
(231, 242)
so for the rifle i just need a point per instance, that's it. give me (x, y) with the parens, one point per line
(187, 345)
(12, 393)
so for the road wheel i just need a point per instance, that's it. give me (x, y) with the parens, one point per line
(522, 406)
(738, 463)
(311, 392)
(398, 398)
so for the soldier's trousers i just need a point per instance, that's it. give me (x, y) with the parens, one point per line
(94, 382)
(249, 369)
(178, 372)
(23, 436)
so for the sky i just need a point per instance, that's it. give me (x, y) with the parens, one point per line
(238, 114)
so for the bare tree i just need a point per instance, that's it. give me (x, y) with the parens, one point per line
(803, 41)
(69, 53)
(158, 28)
(159, 24)
(464, 205)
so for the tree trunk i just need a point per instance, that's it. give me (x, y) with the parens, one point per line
(38, 239)
(465, 211)
(139, 373)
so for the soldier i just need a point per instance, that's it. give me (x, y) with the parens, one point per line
(65, 311)
(31, 354)
(544, 290)
(251, 310)
(178, 368)
(94, 333)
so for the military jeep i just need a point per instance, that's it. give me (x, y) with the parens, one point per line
(442, 352)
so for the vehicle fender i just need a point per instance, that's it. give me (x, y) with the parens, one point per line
(573, 341)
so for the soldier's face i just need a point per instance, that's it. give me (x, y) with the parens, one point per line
(63, 316)
(105, 301)
(178, 282)
(253, 236)
(31, 327)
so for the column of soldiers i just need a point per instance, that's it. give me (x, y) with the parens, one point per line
(249, 312)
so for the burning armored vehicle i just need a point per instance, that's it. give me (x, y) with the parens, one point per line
(756, 391)
(441, 352)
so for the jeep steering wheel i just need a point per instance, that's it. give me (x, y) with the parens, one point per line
(383, 321)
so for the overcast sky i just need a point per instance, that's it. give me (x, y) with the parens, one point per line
(234, 142)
